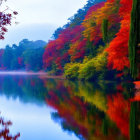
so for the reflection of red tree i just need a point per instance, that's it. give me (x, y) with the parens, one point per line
(32, 83)
(118, 111)
(78, 115)
(136, 98)
(137, 93)
(20, 82)
(70, 110)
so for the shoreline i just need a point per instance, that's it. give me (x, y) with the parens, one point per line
(21, 73)
(41, 74)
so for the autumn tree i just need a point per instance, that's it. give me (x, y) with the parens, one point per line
(118, 47)
(5, 19)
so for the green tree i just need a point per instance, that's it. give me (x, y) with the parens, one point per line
(105, 30)
(7, 57)
(134, 38)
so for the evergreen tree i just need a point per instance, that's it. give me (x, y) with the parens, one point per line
(105, 30)
(134, 38)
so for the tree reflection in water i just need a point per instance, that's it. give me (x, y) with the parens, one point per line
(5, 132)
(96, 111)
(103, 111)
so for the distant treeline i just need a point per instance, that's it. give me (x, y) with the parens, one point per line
(26, 56)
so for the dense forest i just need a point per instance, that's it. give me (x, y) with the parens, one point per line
(100, 42)
(26, 56)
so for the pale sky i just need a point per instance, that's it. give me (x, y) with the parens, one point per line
(39, 18)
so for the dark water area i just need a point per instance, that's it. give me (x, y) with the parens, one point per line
(53, 109)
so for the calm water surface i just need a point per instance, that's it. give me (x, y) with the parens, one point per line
(48, 109)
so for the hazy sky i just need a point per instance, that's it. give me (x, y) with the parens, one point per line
(39, 18)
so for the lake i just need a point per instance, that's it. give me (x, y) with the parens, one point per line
(54, 109)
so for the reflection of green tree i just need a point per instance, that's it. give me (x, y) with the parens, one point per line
(50, 84)
(9, 87)
(93, 93)
(128, 89)
(36, 91)
(105, 126)
(135, 121)
(31, 88)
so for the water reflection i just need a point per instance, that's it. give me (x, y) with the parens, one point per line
(103, 111)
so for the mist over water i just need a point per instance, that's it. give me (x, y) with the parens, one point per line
(21, 73)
